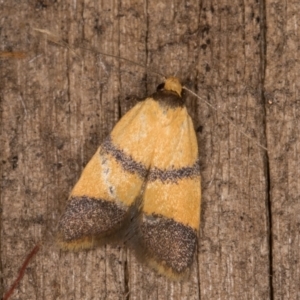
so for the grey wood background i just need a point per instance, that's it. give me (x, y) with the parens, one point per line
(59, 102)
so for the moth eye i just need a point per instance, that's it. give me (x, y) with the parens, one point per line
(160, 87)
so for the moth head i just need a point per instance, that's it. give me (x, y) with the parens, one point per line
(173, 84)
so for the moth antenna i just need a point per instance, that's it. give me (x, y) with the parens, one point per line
(227, 119)
(125, 59)
(57, 40)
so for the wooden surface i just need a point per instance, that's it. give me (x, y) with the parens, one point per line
(59, 102)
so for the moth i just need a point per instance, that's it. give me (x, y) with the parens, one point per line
(143, 186)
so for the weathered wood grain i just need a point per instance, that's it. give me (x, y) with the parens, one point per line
(60, 101)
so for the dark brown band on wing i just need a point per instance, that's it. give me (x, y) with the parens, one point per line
(126, 161)
(168, 242)
(174, 175)
(86, 217)
(133, 167)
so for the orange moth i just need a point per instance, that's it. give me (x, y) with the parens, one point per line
(143, 186)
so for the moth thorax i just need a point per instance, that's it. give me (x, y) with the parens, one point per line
(173, 84)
